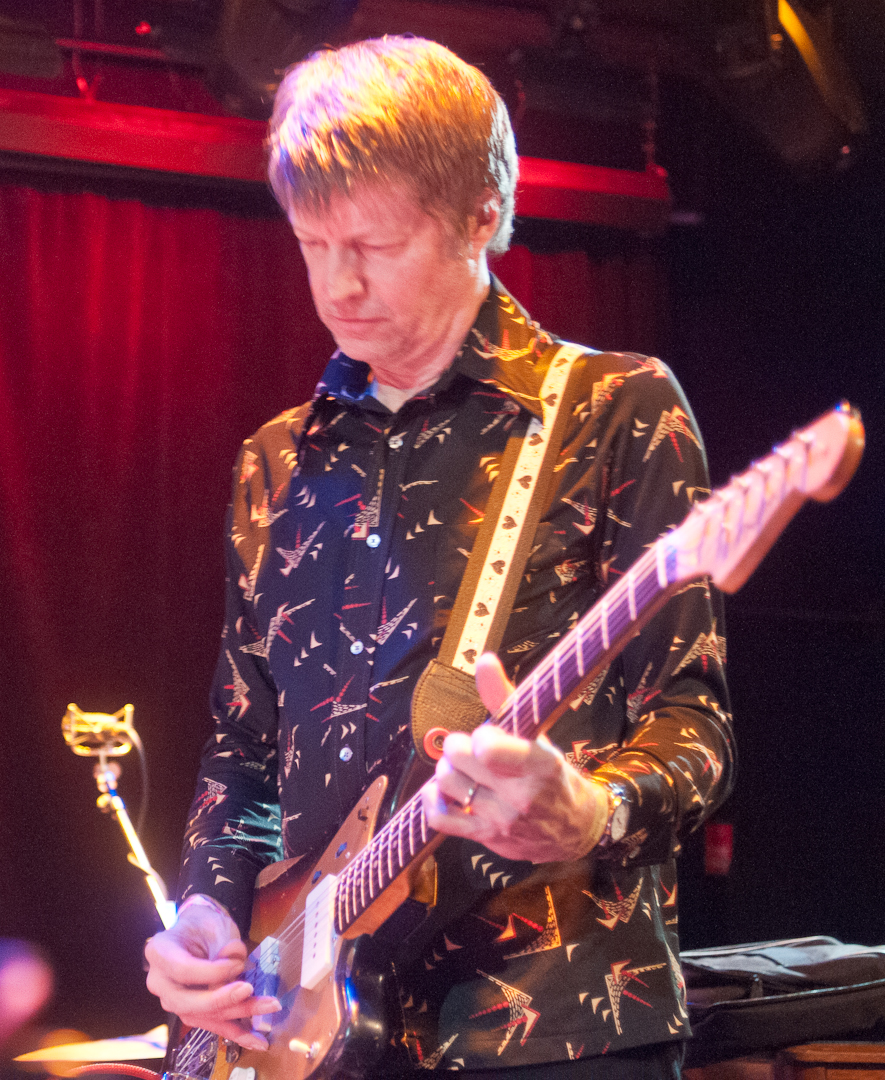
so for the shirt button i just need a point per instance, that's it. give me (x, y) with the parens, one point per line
(373, 540)
(357, 647)
(345, 753)
(394, 442)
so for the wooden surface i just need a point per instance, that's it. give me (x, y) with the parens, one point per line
(756, 1067)
(810, 1061)
(833, 1061)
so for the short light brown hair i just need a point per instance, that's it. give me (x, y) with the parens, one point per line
(393, 110)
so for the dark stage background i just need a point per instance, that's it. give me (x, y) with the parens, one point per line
(145, 330)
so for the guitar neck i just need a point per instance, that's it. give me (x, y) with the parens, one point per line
(535, 704)
(589, 647)
(724, 537)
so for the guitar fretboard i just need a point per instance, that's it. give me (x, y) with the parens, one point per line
(535, 703)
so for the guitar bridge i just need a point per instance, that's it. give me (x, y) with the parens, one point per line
(194, 1057)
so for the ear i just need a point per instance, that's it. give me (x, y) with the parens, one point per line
(484, 224)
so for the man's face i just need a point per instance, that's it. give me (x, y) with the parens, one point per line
(390, 282)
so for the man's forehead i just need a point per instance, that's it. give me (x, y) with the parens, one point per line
(367, 209)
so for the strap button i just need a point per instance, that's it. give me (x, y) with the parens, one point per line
(433, 742)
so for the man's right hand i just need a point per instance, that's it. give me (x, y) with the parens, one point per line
(194, 968)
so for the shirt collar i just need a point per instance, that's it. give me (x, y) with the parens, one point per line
(502, 349)
(344, 379)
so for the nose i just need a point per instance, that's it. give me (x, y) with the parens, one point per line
(344, 279)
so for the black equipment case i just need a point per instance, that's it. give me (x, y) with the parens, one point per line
(747, 999)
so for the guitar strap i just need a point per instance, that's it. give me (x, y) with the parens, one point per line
(445, 697)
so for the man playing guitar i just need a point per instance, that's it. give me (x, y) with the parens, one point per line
(352, 521)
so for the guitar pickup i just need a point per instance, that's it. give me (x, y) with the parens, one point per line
(318, 960)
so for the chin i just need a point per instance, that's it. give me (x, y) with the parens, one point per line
(368, 350)
(357, 351)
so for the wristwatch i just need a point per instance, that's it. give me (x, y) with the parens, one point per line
(618, 815)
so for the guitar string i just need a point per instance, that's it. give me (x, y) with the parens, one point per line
(196, 1043)
(373, 856)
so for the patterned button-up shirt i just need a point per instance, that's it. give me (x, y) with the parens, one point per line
(346, 548)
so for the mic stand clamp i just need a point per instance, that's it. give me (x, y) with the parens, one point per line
(99, 735)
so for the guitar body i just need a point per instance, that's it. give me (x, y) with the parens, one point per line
(340, 1024)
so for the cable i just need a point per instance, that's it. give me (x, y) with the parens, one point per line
(116, 1067)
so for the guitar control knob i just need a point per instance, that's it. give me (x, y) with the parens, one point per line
(297, 1046)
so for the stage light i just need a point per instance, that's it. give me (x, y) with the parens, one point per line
(815, 45)
(801, 99)
(258, 39)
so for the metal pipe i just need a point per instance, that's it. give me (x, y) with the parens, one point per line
(130, 52)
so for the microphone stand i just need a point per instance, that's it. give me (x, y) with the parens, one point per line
(103, 736)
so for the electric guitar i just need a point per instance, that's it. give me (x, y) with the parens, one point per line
(311, 922)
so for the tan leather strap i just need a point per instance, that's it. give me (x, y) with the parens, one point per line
(445, 697)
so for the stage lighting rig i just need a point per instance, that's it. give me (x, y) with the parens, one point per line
(257, 40)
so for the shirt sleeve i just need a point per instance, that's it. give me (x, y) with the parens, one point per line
(233, 827)
(676, 760)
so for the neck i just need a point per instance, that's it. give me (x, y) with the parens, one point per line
(441, 354)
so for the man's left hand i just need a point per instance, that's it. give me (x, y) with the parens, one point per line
(519, 798)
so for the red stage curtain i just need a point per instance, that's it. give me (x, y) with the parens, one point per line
(610, 301)
(139, 343)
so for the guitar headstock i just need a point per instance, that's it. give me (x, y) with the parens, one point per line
(727, 536)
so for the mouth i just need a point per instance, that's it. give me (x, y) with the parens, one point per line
(349, 320)
(352, 326)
